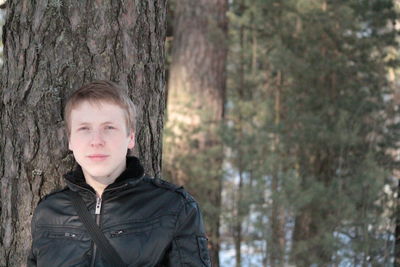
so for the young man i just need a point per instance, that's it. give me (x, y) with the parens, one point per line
(147, 221)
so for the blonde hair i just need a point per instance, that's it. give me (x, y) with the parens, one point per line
(102, 91)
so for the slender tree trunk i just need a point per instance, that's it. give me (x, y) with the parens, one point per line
(277, 247)
(51, 48)
(196, 92)
(312, 222)
(237, 235)
(397, 230)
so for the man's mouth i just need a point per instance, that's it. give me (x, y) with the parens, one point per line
(98, 157)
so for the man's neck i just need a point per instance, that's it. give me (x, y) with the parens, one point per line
(99, 183)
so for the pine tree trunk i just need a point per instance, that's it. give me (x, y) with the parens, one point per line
(237, 233)
(312, 222)
(196, 89)
(397, 230)
(51, 48)
(237, 229)
(277, 246)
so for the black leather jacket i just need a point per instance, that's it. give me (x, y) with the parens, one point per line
(148, 221)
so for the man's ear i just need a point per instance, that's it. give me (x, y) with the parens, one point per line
(69, 141)
(69, 144)
(131, 143)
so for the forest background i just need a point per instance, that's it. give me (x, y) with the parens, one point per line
(281, 118)
(309, 131)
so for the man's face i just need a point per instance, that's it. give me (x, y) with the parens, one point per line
(99, 139)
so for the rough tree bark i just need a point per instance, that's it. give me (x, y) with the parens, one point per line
(51, 48)
(196, 90)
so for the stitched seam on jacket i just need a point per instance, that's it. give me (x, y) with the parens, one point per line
(148, 220)
(187, 218)
(179, 252)
(59, 226)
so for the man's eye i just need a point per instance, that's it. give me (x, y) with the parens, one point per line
(83, 128)
(110, 127)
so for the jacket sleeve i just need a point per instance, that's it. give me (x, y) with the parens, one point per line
(189, 245)
(31, 261)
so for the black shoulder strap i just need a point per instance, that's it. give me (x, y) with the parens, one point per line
(107, 251)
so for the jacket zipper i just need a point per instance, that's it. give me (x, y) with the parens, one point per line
(97, 214)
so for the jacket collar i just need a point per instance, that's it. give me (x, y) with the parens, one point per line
(134, 171)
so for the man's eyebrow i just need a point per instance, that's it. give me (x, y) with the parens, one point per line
(88, 123)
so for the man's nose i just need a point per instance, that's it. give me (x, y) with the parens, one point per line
(97, 139)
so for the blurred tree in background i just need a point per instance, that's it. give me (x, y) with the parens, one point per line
(311, 138)
(196, 96)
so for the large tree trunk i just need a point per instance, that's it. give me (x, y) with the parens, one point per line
(51, 48)
(196, 89)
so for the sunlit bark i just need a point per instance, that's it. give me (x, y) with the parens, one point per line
(196, 91)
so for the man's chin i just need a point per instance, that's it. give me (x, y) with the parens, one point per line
(97, 173)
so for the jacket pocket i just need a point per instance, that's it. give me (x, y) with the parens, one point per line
(134, 228)
(63, 235)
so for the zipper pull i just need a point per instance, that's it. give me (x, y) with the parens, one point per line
(70, 235)
(117, 233)
(98, 205)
